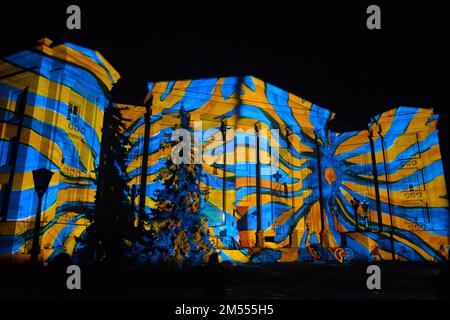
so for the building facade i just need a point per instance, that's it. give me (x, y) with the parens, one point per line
(51, 114)
(282, 182)
(379, 192)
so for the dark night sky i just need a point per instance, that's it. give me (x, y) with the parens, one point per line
(322, 52)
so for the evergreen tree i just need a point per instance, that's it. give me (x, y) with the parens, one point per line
(176, 232)
(111, 231)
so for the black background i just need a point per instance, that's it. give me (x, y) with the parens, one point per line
(320, 51)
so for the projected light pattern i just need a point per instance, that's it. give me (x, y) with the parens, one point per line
(62, 119)
(411, 187)
(319, 171)
(242, 102)
(378, 193)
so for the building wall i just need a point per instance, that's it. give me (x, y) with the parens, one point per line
(411, 186)
(307, 200)
(243, 102)
(67, 93)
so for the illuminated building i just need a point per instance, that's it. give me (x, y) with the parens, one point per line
(51, 98)
(379, 192)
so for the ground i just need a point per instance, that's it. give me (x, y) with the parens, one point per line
(291, 281)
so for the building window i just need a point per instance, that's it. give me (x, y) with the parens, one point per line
(249, 167)
(73, 116)
(410, 148)
(414, 182)
(72, 113)
(134, 151)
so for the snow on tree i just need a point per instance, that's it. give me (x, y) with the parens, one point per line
(177, 231)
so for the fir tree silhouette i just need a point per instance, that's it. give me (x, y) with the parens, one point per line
(177, 232)
(108, 237)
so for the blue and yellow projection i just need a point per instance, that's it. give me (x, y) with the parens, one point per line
(378, 193)
(51, 114)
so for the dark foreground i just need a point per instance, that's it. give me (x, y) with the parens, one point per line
(281, 281)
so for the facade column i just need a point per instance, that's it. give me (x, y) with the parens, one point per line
(259, 231)
(323, 233)
(15, 143)
(223, 130)
(375, 181)
(391, 231)
(143, 184)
